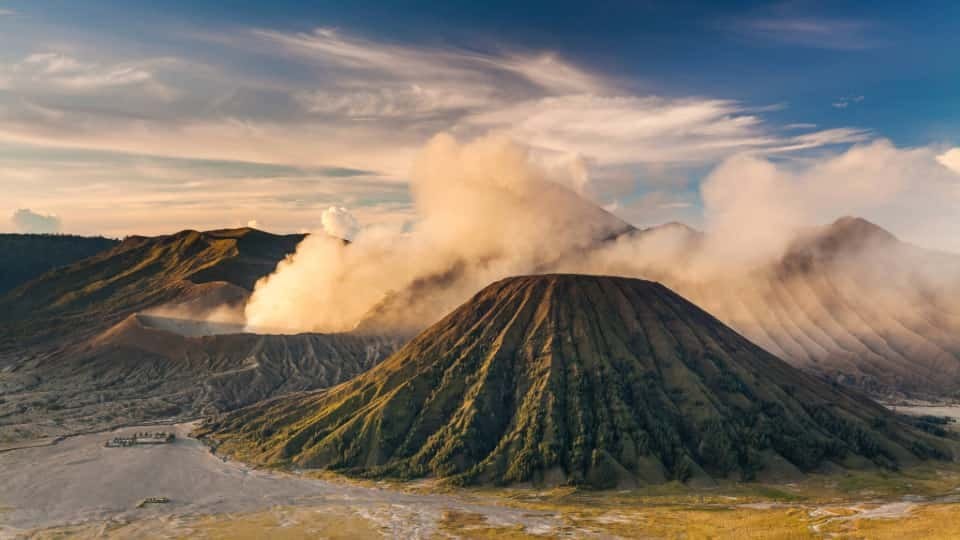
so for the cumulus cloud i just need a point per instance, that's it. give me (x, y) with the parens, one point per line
(950, 159)
(28, 221)
(339, 223)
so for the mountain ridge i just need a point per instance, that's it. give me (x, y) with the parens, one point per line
(91, 295)
(28, 256)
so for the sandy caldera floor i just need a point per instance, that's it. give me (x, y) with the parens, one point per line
(79, 480)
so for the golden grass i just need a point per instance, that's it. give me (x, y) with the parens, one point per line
(927, 522)
(454, 524)
(696, 523)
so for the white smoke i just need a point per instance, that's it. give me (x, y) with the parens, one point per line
(28, 221)
(950, 159)
(340, 223)
(490, 209)
(486, 210)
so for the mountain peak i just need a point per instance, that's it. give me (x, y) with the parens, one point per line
(845, 237)
(857, 227)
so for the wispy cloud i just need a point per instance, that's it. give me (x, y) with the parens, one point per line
(845, 102)
(119, 194)
(365, 104)
(345, 102)
(813, 32)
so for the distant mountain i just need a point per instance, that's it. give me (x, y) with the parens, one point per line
(139, 273)
(575, 379)
(27, 256)
(152, 329)
(852, 303)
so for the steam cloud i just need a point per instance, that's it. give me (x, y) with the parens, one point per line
(28, 221)
(490, 209)
(486, 210)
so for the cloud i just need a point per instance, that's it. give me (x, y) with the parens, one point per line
(617, 130)
(51, 69)
(28, 221)
(845, 102)
(339, 223)
(752, 204)
(950, 159)
(346, 101)
(115, 194)
(489, 76)
(330, 100)
(804, 31)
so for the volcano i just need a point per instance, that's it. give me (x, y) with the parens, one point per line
(554, 379)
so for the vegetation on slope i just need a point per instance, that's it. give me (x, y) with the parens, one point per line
(575, 379)
(27, 256)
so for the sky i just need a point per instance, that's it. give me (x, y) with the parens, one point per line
(133, 117)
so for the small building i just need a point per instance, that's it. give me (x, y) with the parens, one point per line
(142, 438)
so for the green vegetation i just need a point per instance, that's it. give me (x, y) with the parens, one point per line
(579, 380)
(27, 256)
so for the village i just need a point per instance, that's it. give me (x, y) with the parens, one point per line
(141, 438)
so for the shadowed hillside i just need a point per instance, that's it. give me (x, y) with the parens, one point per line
(140, 370)
(27, 256)
(587, 380)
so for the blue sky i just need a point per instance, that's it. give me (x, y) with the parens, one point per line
(147, 117)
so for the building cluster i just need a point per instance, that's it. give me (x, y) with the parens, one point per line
(144, 438)
(153, 500)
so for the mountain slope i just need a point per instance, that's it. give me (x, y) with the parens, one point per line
(27, 256)
(564, 378)
(140, 273)
(853, 304)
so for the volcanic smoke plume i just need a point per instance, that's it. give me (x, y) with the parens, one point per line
(491, 208)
